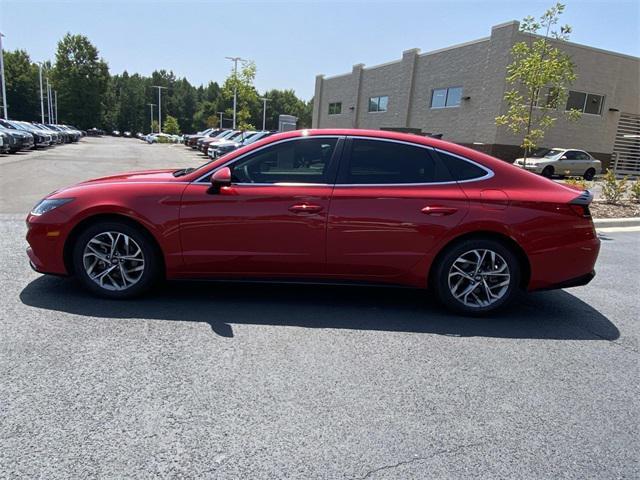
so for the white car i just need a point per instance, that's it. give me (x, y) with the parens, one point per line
(561, 161)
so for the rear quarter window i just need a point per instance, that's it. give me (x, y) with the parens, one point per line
(461, 169)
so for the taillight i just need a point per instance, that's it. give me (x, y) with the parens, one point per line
(581, 210)
(580, 204)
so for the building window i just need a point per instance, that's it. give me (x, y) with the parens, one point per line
(548, 98)
(335, 108)
(446, 97)
(378, 104)
(585, 102)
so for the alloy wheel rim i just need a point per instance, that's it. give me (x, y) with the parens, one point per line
(113, 260)
(479, 278)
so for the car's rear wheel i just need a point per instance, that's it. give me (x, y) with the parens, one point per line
(476, 276)
(115, 260)
(589, 174)
(548, 171)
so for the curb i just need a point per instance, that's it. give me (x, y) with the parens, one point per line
(616, 222)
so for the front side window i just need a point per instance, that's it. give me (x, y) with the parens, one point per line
(446, 97)
(335, 108)
(304, 160)
(378, 104)
(585, 102)
(380, 162)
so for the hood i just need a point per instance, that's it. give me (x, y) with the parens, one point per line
(144, 176)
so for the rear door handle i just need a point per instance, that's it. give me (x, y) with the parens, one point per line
(438, 211)
(305, 208)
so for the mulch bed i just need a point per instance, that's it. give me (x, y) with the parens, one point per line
(600, 209)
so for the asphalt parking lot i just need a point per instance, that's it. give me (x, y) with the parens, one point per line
(208, 380)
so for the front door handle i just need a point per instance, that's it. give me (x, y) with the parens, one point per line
(305, 208)
(438, 211)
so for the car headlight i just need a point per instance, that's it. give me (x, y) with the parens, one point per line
(49, 204)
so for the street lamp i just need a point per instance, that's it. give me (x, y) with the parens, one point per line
(49, 100)
(264, 111)
(221, 118)
(159, 106)
(4, 88)
(235, 61)
(151, 117)
(41, 94)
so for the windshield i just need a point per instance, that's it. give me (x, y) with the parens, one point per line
(546, 153)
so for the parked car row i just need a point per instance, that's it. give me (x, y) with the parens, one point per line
(159, 138)
(17, 135)
(217, 142)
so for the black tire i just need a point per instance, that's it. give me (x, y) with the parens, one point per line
(440, 275)
(150, 273)
(548, 171)
(589, 174)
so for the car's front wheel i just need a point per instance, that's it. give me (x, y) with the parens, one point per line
(548, 171)
(115, 260)
(476, 276)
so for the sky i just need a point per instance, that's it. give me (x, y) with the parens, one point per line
(291, 42)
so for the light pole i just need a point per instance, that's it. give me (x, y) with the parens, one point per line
(235, 61)
(159, 106)
(55, 100)
(49, 101)
(151, 117)
(221, 114)
(264, 111)
(41, 94)
(4, 88)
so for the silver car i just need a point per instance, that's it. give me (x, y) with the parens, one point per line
(561, 161)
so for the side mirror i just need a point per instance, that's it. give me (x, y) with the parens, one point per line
(221, 178)
(564, 157)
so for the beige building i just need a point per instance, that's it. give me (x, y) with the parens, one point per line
(458, 92)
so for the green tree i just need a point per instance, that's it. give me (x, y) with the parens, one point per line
(23, 93)
(539, 77)
(171, 126)
(248, 104)
(81, 79)
(154, 126)
(285, 102)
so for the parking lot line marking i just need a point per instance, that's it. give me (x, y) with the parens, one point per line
(618, 229)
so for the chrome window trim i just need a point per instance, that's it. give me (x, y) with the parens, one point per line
(489, 173)
(244, 155)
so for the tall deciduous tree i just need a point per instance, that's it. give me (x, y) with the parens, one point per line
(248, 105)
(23, 94)
(80, 77)
(539, 77)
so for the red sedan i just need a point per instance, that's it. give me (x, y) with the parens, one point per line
(336, 206)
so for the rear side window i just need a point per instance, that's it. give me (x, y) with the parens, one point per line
(461, 169)
(382, 162)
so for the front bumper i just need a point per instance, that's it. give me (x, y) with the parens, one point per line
(531, 168)
(46, 240)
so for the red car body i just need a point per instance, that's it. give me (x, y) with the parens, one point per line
(374, 233)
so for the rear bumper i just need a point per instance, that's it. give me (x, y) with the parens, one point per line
(569, 265)
(573, 282)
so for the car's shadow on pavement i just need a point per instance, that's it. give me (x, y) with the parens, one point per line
(545, 315)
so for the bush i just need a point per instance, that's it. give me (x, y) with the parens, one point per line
(613, 190)
(635, 190)
(576, 182)
(161, 139)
